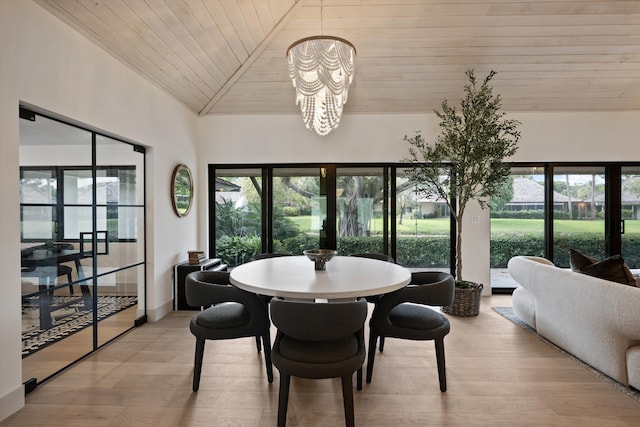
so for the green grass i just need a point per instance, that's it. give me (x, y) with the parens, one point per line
(440, 226)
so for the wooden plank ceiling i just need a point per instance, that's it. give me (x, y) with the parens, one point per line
(228, 56)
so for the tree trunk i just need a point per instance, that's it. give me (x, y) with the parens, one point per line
(569, 197)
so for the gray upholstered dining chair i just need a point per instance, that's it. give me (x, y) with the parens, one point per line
(405, 314)
(319, 340)
(228, 313)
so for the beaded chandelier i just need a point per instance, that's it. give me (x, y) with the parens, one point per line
(321, 69)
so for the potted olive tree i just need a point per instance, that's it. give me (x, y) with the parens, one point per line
(465, 163)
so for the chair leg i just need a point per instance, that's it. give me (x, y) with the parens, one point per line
(381, 344)
(258, 345)
(441, 365)
(197, 366)
(69, 280)
(283, 399)
(359, 378)
(347, 397)
(371, 355)
(267, 356)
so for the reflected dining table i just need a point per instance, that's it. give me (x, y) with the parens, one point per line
(47, 260)
(345, 277)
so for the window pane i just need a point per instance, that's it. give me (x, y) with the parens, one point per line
(38, 223)
(78, 187)
(38, 186)
(630, 210)
(359, 210)
(299, 210)
(517, 222)
(422, 227)
(238, 210)
(578, 212)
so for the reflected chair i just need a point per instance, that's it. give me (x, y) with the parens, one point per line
(405, 314)
(319, 340)
(228, 313)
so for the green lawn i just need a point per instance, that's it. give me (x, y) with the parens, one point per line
(498, 226)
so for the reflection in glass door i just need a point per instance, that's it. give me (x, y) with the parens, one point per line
(82, 230)
(55, 292)
(117, 240)
(578, 212)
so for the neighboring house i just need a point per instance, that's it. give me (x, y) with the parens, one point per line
(432, 207)
(630, 197)
(227, 191)
(529, 195)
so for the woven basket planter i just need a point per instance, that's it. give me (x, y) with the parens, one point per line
(466, 301)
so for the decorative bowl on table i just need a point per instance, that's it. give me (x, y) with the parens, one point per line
(320, 257)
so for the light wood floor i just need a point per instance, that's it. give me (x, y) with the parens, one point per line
(498, 375)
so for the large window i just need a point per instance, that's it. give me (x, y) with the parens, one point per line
(543, 210)
(354, 209)
(546, 210)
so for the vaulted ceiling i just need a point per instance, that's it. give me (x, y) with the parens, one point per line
(228, 56)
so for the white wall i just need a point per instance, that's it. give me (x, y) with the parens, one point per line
(46, 64)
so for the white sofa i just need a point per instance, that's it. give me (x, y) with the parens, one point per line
(596, 320)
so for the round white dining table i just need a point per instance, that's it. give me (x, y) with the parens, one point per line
(344, 277)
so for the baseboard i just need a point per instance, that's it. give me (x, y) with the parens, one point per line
(11, 402)
(155, 314)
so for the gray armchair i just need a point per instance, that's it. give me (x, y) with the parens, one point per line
(228, 313)
(404, 314)
(319, 340)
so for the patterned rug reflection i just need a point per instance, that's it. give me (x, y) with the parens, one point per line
(67, 321)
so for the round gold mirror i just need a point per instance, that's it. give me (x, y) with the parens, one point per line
(182, 190)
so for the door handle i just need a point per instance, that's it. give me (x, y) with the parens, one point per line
(622, 226)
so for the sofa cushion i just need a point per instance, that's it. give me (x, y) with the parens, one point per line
(579, 260)
(612, 269)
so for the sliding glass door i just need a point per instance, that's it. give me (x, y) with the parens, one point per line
(579, 212)
(630, 216)
(299, 211)
(362, 212)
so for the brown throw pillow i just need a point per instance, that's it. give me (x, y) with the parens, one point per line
(578, 260)
(631, 280)
(612, 268)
